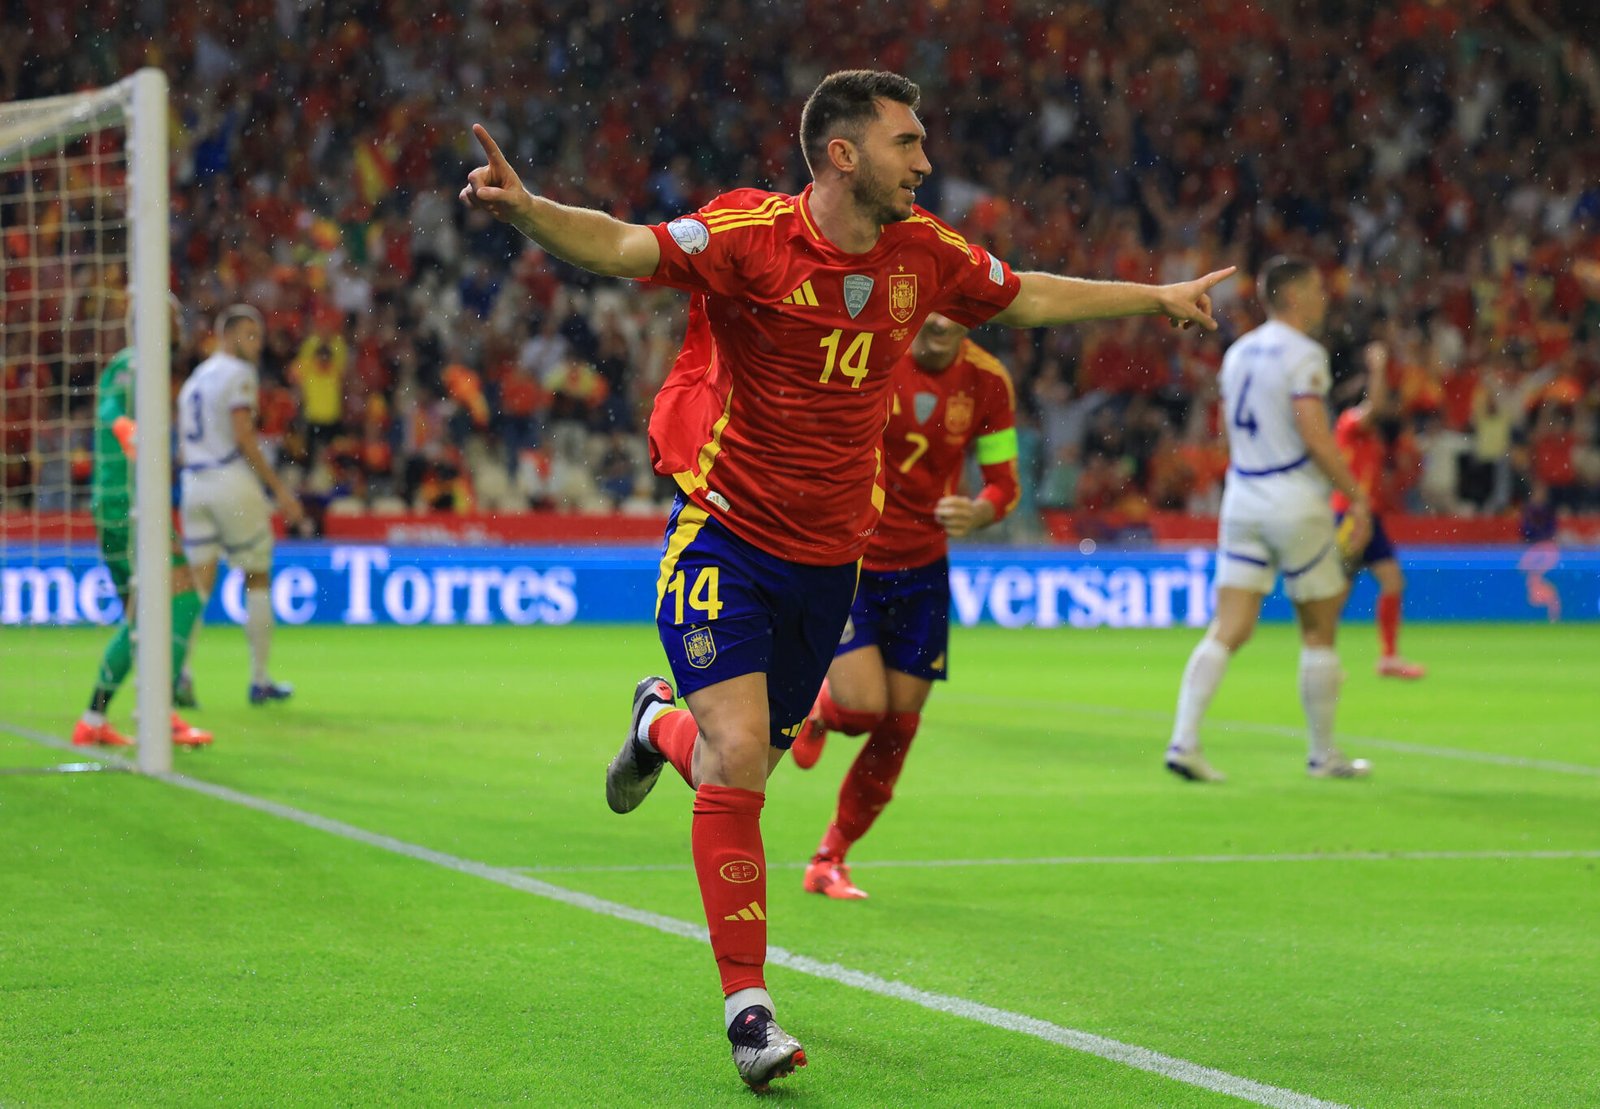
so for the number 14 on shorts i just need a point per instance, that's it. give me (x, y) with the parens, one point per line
(702, 594)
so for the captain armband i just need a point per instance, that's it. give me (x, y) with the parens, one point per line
(997, 446)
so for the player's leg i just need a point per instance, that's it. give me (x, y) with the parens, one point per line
(1245, 575)
(913, 633)
(1238, 609)
(201, 540)
(92, 727)
(247, 534)
(868, 786)
(188, 608)
(853, 698)
(1391, 592)
(258, 625)
(853, 695)
(722, 607)
(185, 612)
(1317, 589)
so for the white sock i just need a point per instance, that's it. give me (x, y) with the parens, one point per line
(258, 630)
(1201, 677)
(740, 1000)
(93, 719)
(1320, 678)
(650, 714)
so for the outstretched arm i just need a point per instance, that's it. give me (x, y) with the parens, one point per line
(1311, 420)
(244, 433)
(1375, 356)
(1046, 299)
(582, 236)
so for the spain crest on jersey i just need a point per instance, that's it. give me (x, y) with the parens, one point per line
(958, 413)
(700, 648)
(902, 296)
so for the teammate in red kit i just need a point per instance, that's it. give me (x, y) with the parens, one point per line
(771, 422)
(949, 393)
(1372, 439)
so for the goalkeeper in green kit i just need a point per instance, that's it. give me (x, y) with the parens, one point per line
(112, 503)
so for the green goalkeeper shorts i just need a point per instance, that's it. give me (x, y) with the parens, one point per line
(116, 549)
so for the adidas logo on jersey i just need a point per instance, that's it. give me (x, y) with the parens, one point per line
(804, 296)
(751, 911)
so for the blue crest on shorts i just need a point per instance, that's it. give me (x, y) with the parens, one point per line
(700, 648)
(857, 288)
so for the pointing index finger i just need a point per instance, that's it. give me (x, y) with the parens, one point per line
(490, 147)
(1216, 277)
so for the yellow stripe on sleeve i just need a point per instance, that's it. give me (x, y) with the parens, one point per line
(753, 221)
(766, 207)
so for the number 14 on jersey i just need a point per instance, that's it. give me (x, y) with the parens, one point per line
(853, 363)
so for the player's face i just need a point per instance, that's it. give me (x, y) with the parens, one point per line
(1312, 297)
(937, 342)
(891, 163)
(246, 340)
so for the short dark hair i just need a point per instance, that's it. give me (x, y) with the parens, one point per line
(1278, 274)
(234, 315)
(844, 103)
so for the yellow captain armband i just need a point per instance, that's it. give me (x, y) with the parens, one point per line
(997, 446)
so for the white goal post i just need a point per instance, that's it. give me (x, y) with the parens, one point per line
(44, 140)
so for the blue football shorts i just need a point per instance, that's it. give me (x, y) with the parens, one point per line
(726, 608)
(906, 615)
(1378, 548)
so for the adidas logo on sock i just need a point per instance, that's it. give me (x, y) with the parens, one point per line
(751, 911)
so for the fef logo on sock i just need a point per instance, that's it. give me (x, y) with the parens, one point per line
(741, 870)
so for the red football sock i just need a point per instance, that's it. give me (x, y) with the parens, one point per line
(731, 866)
(847, 721)
(1389, 623)
(870, 782)
(673, 734)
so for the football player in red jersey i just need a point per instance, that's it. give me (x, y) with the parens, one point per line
(771, 422)
(1374, 442)
(949, 394)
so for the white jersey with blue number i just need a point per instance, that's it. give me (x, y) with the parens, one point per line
(1269, 471)
(205, 411)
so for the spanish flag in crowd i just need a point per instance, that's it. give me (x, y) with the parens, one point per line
(375, 173)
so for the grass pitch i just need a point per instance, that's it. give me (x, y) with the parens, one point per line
(1425, 938)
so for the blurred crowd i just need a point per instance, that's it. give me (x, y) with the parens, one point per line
(1437, 159)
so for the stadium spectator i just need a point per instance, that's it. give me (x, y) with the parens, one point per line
(318, 372)
(1417, 196)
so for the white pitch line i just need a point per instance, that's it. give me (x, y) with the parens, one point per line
(1118, 860)
(1102, 1047)
(1157, 716)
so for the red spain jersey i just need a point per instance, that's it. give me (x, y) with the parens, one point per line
(934, 417)
(1379, 469)
(772, 417)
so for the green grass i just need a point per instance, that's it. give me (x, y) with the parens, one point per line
(162, 947)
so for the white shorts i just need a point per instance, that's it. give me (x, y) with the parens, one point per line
(225, 515)
(1252, 553)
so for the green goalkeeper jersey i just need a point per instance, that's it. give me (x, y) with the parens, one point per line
(113, 481)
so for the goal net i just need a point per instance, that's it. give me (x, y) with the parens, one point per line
(83, 276)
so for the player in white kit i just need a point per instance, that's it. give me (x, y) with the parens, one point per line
(224, 510)
(1275, 517)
